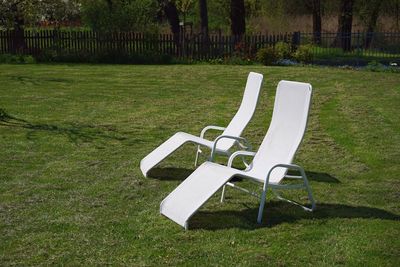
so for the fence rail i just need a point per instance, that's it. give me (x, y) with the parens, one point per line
(85, 42)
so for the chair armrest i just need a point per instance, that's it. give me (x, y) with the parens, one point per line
(238, 139)
(287, 166)
(211, 127)
(240, 153)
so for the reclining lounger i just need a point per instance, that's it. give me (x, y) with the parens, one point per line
(229, 137)
(269, 165)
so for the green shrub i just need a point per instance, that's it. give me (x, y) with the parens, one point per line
(233, 60)
(29, 59)
(7, 58)
(236, 60)
(266, 56)
(376, 66)
(272, 54)
(16, 59)
(283, 50)
(215, 61)
(109, 57)
(303, 54)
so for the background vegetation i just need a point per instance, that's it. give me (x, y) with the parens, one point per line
(192, 23)
(154, 15)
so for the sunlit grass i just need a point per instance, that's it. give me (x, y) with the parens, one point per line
(71, 192)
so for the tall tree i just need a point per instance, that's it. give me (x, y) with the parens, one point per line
(397, 11)
(203, 18)
(171, 13)
(204, 24)
(345, 23)
(18, 25)
(238, 17)
(369, 14)
(315, 7)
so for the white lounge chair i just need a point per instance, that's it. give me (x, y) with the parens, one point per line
(269, 166)
(229, 137)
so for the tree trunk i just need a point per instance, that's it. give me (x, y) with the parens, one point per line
(204, 25)
(171, 12)
(237, 16)
(316, 12)
(397, 15)
(345, 24)
(371, 24)
(203, 17)
(18, 44)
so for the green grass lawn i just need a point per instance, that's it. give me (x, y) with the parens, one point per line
(71, 192)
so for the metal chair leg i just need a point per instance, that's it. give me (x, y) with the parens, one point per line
(261, 208)
(197, 156)
(310, 196)
(307, 186)
(223, 194)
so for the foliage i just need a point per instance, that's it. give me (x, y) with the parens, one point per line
(16, 59)
(13, 11)
(120, 15)
(218, 15)
(253, 8)
(184, 5)
(30, 12)
(110, 57)
(270, 55)
(267, 55)
(234, 60)
(375, 66)
(304, 53)
(60, 10)
(283, 50)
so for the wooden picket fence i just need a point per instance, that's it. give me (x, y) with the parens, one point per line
(36, 42)
(86, 42)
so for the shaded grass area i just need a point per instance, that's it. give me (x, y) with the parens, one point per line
(71, 192)
(336, 56)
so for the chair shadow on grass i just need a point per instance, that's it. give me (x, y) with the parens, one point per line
(278, 212)
(179, 174)
(76, 133)
(169, 173)
(275, 212)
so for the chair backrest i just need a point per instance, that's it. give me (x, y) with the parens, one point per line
(245, 111)
(287, 128)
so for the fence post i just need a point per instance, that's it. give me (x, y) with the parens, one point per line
(296, 39)
(56, 42)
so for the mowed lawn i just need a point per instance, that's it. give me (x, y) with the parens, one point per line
(71, 192)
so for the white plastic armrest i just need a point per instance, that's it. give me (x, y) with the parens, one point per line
(211, 127)
(287, 166)
(238, 139)
(240, 153)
